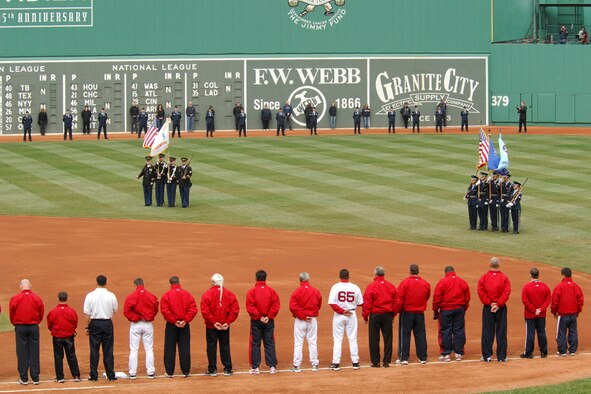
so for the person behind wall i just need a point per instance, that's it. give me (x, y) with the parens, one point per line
(563, 35)
(42, 120)
(583, 36)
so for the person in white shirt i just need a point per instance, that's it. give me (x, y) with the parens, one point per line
(344, 298)
(99, 306)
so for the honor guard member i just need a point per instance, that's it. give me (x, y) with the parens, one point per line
(505, 192)
(332, 113)
(67, 119)
(27, 122)
(262, 305)
(405, 112)
(439, 120)
(219, 308)
(172, 180)
(304, 304)
(143, 122)
(281, 118)
(178, 308)
(522, 110)
(378, 311)
(62, 322)
(140, 308)
(357, 121)
(313, 120)
(494, 289)
(161, 173)
(134, 113)
(344, 298)
(482, 185)
(241, 123)
(515, 206)
(472, 197)
(536, 299)
(175, 117)
(416, 119)
(464, 119)
(288, 111)
(266, 117)
(209, 122)
(102, 119)
(86, 116)
(443, 107)
(26, 312)
(493, 202)
(567, 303)
(391, 121)
(185, 173)
(149, 175)
(366, 114)
(236, 111)
(451, 300)
(190, 113)
(411, 303)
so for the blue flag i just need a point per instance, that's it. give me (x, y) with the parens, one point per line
(493, 158)
(504, 154)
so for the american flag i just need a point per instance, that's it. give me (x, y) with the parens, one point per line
(151, 135)
(483, 149)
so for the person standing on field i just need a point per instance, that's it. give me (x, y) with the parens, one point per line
(567, 303)
(536, 298)
(304, 304)
(62, 322)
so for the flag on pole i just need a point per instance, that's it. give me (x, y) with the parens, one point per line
(493, 158)
(504, 155)
(483, 150)
(150, 135)
(157, 140)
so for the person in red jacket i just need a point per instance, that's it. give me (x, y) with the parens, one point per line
(62, 321)
(178, 308)
(219, 308)
(262, 304)
(140, 308)
(536, 299)
(378, 310)
(567, 303)
(451, 300)
(494, 289)
(26, 312)
(304, 304)
(411, 302)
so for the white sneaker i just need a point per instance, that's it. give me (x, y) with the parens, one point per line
(404, 362)
(458, 357)
(314, 367)
(423, 361)
(272, 370)
(295, 369)
(562, 354)
(254, 371)
(444, 358)
(397, 361)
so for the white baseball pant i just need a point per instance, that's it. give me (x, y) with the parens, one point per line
(144, 331)
(308, 330)
(340, 325)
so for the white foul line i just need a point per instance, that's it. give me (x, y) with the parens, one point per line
(60, 389)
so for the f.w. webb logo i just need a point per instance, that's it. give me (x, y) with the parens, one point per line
(309, 19)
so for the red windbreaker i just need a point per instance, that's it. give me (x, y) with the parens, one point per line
(140, 305)
(451, 292)
(177, 304)
(305, 301)
(567, 298)
(62, 321)
(494, 286)
(413, 294)
(535, 295)
(26, 308)
(262, 300)
(379, 297)
(219, 308)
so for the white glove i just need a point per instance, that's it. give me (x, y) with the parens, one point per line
(465, 198)
(509, 205)
(486, 203)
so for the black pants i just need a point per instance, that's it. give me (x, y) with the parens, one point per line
(464, 124)
(102, 127)
(415, 124)
(68, 132)
(86, 127)
(392, 127)
(134, 124)
(144, 128)
(405, 120)
(100, 333)
(42, 127)
(494, 325)
(61, 346)
(504, 218)
(209, 129)
(494, 215)
(266, 124)
(176, 127)
(472, 215)
(380, 322)
(27, 351)
(452, 330)
(265, 333)
(439, 126)
(148, 195)
(414, 322)
(357, 128)
(281, 128)
(173, 337)
(313, 126)
(483, 215)
(213, 337)
(532, 326)
(288, 121)
(445, 118)
(522, 122)
(241, 129)
(565, 323)
(515, 216)
(27, 130)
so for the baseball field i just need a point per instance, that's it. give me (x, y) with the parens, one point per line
(73, 210)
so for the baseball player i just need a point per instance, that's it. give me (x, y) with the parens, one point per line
(344, 298)
(140, 308)
(304, 304)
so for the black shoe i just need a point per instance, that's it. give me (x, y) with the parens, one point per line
(386, 365)
(91, 379)
(526, 355)
(228, 372)
(515, 232)
(376, 365)
(112, 379)
(211, 373)
(335, 367)
(544, 355)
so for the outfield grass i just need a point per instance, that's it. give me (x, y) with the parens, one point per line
(5, 323)
(403, 187)
(574, 387)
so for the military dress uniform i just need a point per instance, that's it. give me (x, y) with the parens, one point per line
(149, 175)
(185, 173)
(27, 126)
(357, 121)
(472, 197)
(161, 171)
(172, 180)
(280, 117)
(439, 121)
(175, 117)
(416, 119)
(493, 203)
(515, 206)
(67, 119)
(143, 121)
(505, 191)
(391, 121)
(483, 202)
